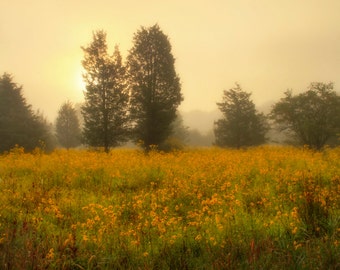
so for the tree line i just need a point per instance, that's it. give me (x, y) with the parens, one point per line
(310, 118)
(138, 100)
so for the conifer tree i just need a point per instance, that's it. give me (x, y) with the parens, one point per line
(106, 96)
(19, 125)
(155, 89)
(241, 124)
(67, 126)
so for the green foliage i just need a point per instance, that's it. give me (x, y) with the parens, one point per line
(67, 126)
(19, 125)
(106, 95)
(312, 116)
(154, 87)
(241, 124)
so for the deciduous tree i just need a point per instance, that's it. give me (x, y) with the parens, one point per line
(313, 117)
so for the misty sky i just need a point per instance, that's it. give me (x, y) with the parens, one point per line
(267, 46)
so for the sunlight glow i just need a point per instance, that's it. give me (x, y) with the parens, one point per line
(79, 82)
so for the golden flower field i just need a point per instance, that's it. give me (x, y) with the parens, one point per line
(260, 208)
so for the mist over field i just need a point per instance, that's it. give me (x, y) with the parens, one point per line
(266, 46)
(182, 134)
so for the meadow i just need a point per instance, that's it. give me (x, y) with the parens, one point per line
(259, 208)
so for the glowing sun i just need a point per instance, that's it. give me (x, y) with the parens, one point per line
(79, 81)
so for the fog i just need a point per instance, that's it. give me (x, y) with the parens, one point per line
(266, 46)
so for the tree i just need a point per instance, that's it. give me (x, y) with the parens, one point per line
(19, 125)
(67, 126)
(241, 124)
(179, 129)
(155, 90)
(196, 138)
(106, 96)
(313, 117)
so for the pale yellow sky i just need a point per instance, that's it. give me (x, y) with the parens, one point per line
(267, 46)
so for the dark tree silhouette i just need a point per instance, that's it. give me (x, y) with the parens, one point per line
(241, 124)
(155, 89)
(19, 125)
(106, 96)
(67, 126)
(313, 117)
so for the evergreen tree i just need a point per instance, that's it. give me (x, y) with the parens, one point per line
(106, 96)
(67, 126)
(19, 125)
(241, 124)
(155, 90)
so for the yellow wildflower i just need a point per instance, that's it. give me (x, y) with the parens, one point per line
(50, 254)
(198, 238)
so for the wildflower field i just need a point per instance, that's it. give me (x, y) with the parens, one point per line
(260, 208)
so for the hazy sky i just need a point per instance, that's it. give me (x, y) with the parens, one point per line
(267, 46)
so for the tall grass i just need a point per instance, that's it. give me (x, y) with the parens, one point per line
(261, 208)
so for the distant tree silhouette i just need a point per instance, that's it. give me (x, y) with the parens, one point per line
(196, 138)
(312, 117)
(155, 90)
(179, 129)
(19, 125)
(106, 96)
(67, 126)
(241, 125)
(178, 137)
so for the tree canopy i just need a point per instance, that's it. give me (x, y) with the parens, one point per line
(106, 96)
(155, 90)
(313, 117)
(19, 125)
(241, 124)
